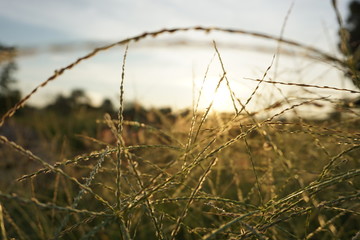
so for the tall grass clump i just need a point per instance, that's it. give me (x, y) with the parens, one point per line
(196, 175)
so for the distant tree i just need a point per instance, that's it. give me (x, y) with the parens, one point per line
(6, 77)
(75, 101)
(61, 105)
(350, 42)
(8, 94)
(353, 26)
(79, 98)
(107, 106)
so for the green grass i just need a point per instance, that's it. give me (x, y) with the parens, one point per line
(202, 175)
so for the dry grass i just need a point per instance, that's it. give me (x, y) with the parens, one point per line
(204, 175)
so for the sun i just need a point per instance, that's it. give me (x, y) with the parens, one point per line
(219, 97)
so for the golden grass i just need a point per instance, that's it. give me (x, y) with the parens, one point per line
(202, 176)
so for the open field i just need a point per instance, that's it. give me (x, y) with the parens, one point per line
(196, 174)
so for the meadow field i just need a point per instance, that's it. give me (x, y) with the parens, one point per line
(136, 173)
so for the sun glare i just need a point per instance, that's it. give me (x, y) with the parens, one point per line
(220, 98)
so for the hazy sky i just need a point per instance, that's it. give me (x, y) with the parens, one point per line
(163, 75)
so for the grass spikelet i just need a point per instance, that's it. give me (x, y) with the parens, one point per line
(2, 224)
(79, 196)
(120, 143)
(120, 146)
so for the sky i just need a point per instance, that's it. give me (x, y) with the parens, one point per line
(161, 75)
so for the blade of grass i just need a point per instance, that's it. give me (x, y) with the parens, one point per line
(2, 223)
